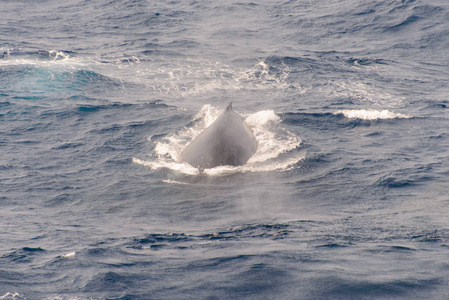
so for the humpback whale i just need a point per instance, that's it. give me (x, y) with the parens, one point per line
(227, 141)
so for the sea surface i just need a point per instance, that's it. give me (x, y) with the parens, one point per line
(347, 196)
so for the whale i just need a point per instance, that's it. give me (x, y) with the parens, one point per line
(227, 141)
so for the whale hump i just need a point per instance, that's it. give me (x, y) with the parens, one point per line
(227, 141)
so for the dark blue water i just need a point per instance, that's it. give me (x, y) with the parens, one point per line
(346, 198)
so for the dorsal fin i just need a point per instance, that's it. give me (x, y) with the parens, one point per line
(229, 108)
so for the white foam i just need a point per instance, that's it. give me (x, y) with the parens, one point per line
(173, 144)
(169, 164)
(173, 182)
(274, 143)
(281, 165)
(273, 138)
(371, 114)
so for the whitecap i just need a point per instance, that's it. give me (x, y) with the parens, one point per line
(42, 59)
(69, 255)
(11, 296)
(371, 114)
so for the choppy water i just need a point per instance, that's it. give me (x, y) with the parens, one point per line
(346, 198)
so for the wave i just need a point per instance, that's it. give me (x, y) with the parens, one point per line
(193, 77)
(10, 296)
(371, 114)
(13, 57)
(273, 231)
(177, 77)
(54, 74)
(276, 149)
(69, 255)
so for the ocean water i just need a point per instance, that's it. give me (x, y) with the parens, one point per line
(346, 197)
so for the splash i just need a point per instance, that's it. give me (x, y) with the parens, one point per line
(276, 149)
(371, 114)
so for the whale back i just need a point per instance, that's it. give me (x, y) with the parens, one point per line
(227, 141)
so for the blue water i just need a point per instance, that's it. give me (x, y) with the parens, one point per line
(346, 198)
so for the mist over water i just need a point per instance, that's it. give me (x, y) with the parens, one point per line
(345, 198)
